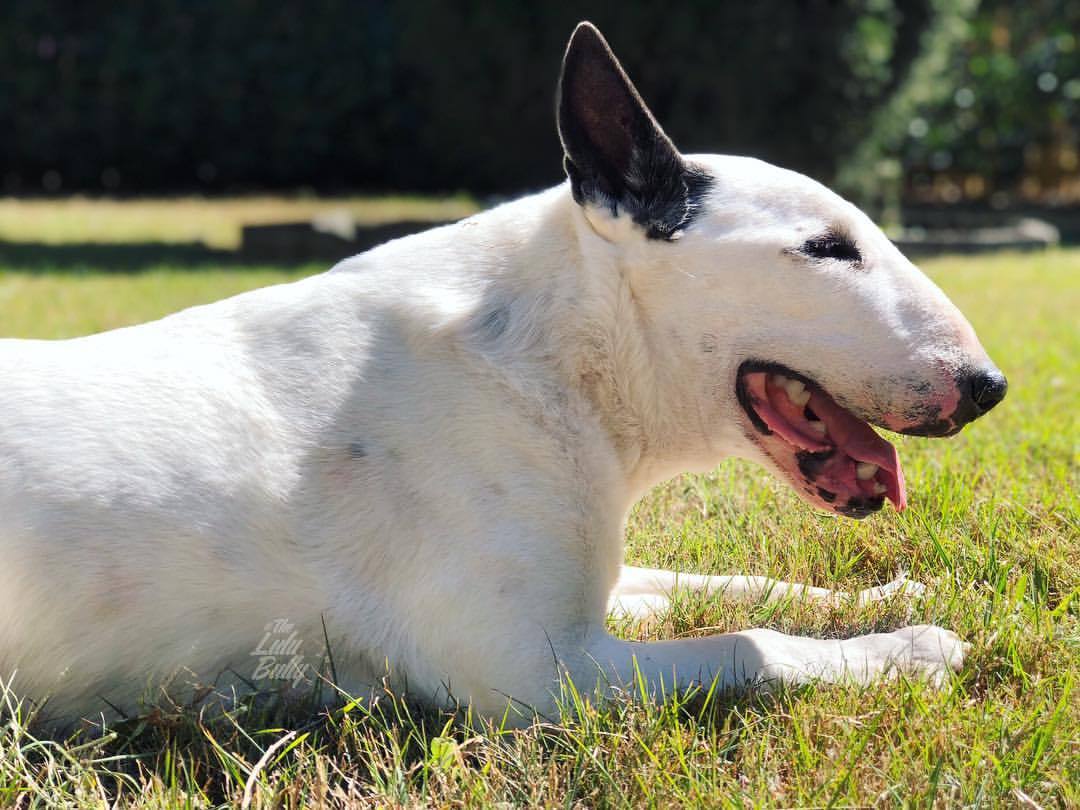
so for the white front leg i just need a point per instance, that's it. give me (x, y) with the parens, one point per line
(764, 657)
(643, 592)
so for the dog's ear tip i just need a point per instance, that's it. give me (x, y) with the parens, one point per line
(585, 31)
(591, 76)
(587, 40)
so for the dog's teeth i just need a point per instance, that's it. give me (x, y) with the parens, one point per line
(779, 380)
(797, 392)
(864, 470)
(818, 426)
(879, 488)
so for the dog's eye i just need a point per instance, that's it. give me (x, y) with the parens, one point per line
(831, 246)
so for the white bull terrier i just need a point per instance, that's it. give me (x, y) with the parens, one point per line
(432, 448)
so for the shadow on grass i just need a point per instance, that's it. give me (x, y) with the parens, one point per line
(389, 746)
(134, 257)
(279, 245)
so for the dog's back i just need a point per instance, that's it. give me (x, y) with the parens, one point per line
(309, 451)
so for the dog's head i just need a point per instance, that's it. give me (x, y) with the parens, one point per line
(790, 320)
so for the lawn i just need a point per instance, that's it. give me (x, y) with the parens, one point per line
(993, 530)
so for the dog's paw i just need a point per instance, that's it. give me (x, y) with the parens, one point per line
(924, 651)
(901, 586)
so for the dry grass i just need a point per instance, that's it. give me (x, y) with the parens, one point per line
(215, 222)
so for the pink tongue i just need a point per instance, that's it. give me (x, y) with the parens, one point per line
(858, 440)
(854, 438)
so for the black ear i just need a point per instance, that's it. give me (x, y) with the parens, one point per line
(616, 155)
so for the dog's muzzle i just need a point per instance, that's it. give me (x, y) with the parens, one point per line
(980, 389)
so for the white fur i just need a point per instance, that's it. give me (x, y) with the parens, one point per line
(433, 448)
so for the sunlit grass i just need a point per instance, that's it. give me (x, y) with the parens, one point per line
(215, 222)
(993, 529)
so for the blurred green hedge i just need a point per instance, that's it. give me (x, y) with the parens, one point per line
(417, 95)
(1008, 123)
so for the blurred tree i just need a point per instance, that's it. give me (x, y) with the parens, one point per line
(790, 82)
(993, 114)
(417, 94)
(180, 94)
(873, 173)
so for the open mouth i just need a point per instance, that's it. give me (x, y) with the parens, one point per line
(828, 453)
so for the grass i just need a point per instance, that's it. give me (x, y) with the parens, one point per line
(214, 222)
(993, 529)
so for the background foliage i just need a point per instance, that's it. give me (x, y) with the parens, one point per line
(938, 99)
(417, 95)
(1009, 113)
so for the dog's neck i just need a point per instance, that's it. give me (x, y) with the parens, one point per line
(553, 289)
(640, 381)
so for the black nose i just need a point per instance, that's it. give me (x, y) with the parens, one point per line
(985, 387)
(980, 390)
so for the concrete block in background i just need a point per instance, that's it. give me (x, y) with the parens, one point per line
(328, 237)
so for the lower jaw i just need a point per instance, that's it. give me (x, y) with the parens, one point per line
(827, 472)
(837, 500)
